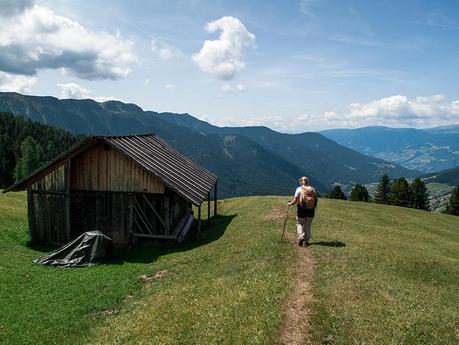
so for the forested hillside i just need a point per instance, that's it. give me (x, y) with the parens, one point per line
(243, 167)
(39, 142)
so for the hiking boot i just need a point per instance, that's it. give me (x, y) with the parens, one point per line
(300, 242)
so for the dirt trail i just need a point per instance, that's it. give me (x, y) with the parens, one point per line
(297, 308)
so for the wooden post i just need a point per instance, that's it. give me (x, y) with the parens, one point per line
(208, 207)
(67, 170)
(167, 213)
(215, 199)
(130, 221)
(199, 220)
(30, 213)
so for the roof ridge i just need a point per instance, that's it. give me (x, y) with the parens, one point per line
(124, 136)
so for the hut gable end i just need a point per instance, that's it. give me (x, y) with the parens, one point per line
(102, 168)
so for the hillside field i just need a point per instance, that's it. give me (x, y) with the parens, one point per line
(382, 275)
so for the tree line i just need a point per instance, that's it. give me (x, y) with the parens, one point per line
(398, 192)
(26, 145)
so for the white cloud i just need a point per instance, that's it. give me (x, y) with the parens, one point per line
(401, 107)
(75, 91)
(146, 82)
(170, 87)
(34, 37)
(16, 83)
(72, 90)
(102, 99)
(393, 111)
(233, 88)
(223, 58)
(164, 51)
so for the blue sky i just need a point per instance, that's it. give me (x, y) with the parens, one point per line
(291, 65)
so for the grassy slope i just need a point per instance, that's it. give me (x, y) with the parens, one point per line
(228, 288)
(395, 281)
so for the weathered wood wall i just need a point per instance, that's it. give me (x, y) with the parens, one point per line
(102, 168)
(48, 207)
(96, 190)
(104, 211)
(54, 181)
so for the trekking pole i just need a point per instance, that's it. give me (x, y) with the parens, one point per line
(285, 222)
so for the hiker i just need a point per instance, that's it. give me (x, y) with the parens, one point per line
(306, 201)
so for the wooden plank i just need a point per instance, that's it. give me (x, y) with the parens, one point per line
(47, 192)
(199, 219)
(102, 170)
(30, 213)
(154, 210)
(208, 205)
(107, 168)
(166, 212)
(138, 210)
(67, 200)
(94, 169)
(184, 230)
(155, 236)
(215, 199)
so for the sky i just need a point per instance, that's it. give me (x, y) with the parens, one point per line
(294, 66)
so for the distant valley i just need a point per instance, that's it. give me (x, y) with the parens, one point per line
(426, 150)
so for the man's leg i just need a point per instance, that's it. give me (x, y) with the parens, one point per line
(307, 229)
(300, 229)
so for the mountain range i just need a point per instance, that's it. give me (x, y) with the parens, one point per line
(426, 150)
(248, 160)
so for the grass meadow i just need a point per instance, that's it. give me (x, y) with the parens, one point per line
(383, 275)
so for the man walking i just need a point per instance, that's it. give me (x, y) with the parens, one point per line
(305, 199)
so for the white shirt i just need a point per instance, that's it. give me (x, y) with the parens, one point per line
(298, 191)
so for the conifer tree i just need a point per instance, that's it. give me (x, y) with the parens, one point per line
(359, 193)
(400, 193)
(419, 195)
(382, 190)
(337, 193)
(31, 154)
(453, 205)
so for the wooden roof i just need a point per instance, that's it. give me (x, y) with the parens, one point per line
(177, 171)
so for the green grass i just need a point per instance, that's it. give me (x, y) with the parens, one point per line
(384, 275)
(434, 187)
(396, 280)
(226, 288)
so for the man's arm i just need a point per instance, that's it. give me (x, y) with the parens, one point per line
(293, 201)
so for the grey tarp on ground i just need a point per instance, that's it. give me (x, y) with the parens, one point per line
(85, 250)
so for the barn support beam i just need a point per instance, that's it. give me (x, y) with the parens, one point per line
(67, 170)
(30, 213)
(208, 207)
(155, 212)
(215, 199)
(199, 220)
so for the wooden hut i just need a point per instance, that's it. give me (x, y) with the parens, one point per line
(128, 187)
